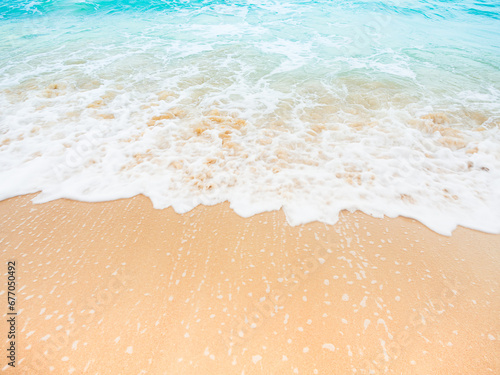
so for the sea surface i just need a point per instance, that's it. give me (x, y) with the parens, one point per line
(388, 107)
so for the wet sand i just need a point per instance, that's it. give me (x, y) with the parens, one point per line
(121, 288)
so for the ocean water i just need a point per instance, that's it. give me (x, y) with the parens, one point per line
(388, 107)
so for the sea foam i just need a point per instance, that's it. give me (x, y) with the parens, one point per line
(302, 106)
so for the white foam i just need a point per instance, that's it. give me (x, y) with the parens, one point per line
(329, 347)
(309, 130)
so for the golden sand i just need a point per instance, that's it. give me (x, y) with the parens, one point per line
(121, 288)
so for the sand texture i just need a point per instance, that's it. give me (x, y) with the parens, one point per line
(121, 288)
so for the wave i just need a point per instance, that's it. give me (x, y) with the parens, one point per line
(313, 107)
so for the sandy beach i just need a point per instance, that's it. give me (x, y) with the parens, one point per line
(249, 187)
(122, 288)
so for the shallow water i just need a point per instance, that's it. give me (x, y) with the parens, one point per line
(392, 108)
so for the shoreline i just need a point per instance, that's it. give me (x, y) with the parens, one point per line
(121, 285)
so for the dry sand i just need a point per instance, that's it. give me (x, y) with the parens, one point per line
(121, 288)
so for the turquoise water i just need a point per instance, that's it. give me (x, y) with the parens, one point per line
(392, 108)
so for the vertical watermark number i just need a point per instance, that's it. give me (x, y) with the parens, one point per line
(11, 313)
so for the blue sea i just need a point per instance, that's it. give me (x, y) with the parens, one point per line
(313, 107)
